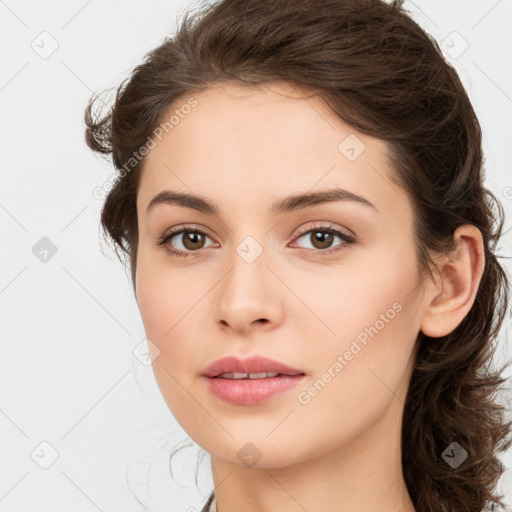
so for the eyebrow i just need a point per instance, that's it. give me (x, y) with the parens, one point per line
(285, 205)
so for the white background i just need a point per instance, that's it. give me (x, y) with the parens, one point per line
(68, 376)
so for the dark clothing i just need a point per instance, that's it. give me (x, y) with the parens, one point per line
(206, 507)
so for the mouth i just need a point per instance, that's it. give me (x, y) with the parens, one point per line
(250, 381)
(253, 367)
(241, 375)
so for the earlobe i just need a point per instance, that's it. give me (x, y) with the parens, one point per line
(459, 274)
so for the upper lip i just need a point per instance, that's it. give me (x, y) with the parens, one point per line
(252, 364)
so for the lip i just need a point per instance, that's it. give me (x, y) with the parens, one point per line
(252, 364)
(250, 391)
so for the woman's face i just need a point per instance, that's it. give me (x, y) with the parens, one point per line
(255, 279)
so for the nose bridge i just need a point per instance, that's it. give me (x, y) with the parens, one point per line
(248, 293)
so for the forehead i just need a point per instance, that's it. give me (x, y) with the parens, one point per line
(257, 141)
(281, 117)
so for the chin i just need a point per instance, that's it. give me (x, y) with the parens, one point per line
(257, 453)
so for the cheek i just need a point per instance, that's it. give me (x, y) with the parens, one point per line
(345, 302)
(167, 317)
(160, 309)
(173, 304)
(165, 296)
(368, 316)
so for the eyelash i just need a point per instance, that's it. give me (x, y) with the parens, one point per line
(348, 239)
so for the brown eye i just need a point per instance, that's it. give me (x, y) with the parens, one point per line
(193, 240)
(321, 239)
(185, 241)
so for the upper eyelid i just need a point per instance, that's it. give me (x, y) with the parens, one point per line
(180, 230)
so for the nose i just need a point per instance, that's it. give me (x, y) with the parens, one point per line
(249, 296)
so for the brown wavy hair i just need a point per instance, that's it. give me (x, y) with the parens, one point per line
(382, 74)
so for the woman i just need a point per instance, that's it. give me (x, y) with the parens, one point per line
(301, 201)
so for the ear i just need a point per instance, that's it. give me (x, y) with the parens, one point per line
(453, 292)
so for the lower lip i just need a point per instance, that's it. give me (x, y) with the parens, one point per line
(251, 391)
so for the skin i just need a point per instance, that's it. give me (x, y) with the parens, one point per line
(242, 149)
